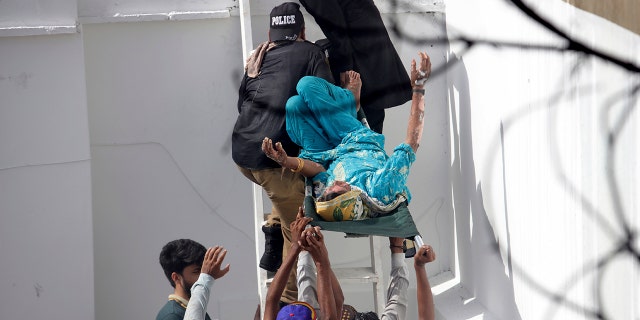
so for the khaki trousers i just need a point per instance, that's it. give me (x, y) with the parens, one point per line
(285, 189)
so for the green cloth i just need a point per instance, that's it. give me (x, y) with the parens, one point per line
(398, 223)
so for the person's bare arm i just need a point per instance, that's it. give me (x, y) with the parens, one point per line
(424, 255)
(416, 114)
(279, 282)
(318, 250)
(276, 288)
(338, 296)
(276, 153)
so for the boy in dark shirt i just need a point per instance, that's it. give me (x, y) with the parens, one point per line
(181, 261)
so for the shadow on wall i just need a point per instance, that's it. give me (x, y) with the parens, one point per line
(482, 269)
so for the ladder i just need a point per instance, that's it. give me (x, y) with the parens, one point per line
(370, 274)
(259, 215)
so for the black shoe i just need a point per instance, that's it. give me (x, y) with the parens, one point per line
(272, 257)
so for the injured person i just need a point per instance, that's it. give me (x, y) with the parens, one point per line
(354, 178)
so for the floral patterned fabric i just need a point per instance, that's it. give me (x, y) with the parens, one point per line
(347, 206)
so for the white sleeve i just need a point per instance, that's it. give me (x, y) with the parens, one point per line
(307, 280)
(397, 300)
(197, 307)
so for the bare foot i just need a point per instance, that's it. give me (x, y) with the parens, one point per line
(354, 84)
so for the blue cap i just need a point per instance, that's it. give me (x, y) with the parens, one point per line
(297, 311)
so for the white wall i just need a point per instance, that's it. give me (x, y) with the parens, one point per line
(46, 241)
(110, 8)
(530, 159)
(120, 137)
(162, 103)
(33, 13)
(160, 132)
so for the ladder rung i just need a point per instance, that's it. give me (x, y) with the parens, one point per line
(357, 275)
(351, 275)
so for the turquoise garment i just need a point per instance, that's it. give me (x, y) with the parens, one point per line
(322, 120)
(321, 115)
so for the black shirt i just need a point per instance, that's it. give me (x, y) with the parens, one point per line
(360, 42)
(262, 100)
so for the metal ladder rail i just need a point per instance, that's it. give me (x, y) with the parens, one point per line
(244, 7)
(262, 276)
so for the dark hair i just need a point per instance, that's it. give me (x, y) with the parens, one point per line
(178, 254)
(331, 195)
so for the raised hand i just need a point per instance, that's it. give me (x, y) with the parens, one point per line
(316, 246)
(424, 255)
(424, 296)
(213, 259)
(420, 75)
(297, 228)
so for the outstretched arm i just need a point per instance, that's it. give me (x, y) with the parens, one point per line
(276, 153)
(276, 288)
(397, 292)
(338, 296)
(318, 250)
(307, 279)
(424, 255)
(197, 306)
(416, 115)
